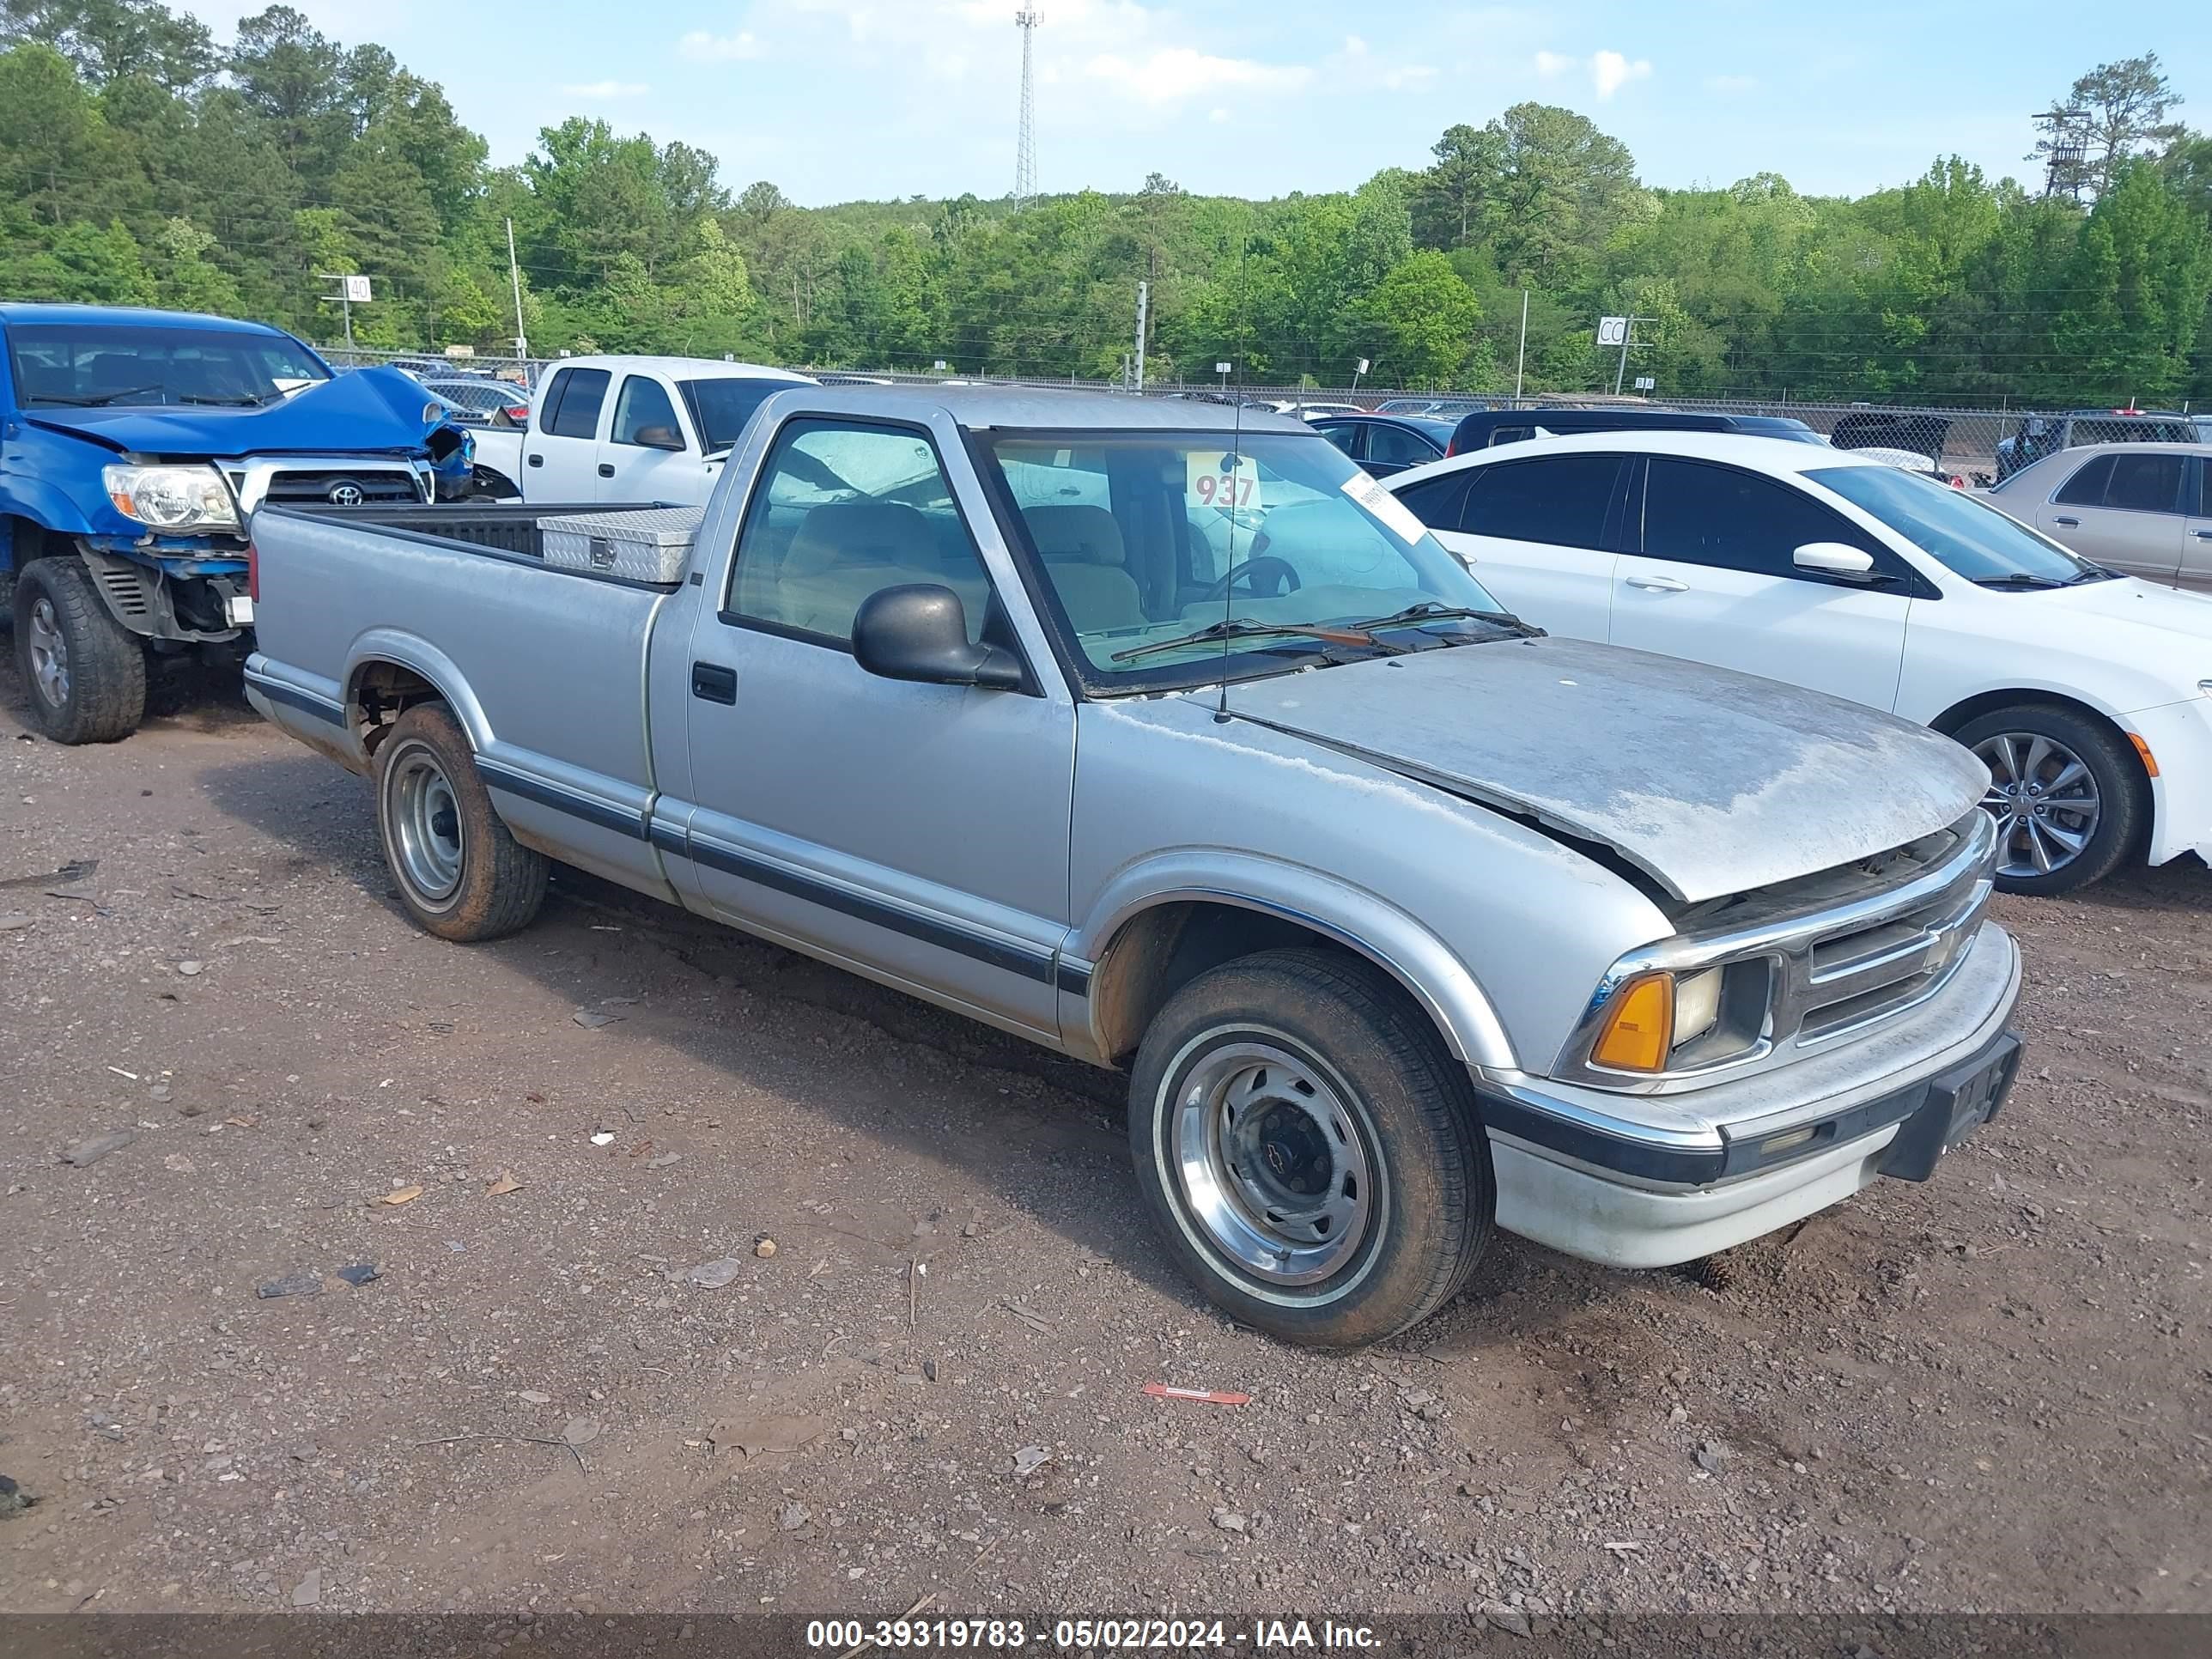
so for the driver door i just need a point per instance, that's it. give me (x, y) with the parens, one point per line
(648, 453)
(916, 833)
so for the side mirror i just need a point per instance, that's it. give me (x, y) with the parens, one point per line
(919, 632)
(660, 437)
(1834, 559)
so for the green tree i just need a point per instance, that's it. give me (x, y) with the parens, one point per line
(2124, 107)
(107, 39)
(1423, 319)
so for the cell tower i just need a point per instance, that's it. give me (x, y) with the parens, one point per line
(1026, 20)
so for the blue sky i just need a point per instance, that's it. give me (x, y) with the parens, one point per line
(839, 99)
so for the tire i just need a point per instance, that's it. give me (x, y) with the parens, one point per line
(1270, 1048)
(460, 873)
(2070, 777)
(85, 672)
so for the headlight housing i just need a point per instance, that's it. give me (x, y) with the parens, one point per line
(179, 499)
(1664, 1021)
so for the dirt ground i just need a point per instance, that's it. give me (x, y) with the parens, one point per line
(1988, 1392)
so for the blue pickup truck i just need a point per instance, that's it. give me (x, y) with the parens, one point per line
(134, 446)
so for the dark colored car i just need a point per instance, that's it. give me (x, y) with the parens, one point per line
(2034, 436)
(1490, 427)
(481, 401)
(1384, 444)
(1893, 428)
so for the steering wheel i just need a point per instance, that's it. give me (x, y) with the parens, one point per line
(1283, 571)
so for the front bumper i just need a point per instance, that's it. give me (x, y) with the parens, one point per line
(2180, 737)
(1688, 1178)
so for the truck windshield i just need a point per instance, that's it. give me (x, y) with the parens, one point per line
(1147, 538)
(720, 409)
(100, 365)
(1971, 539)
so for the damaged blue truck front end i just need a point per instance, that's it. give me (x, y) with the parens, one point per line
(134, 446)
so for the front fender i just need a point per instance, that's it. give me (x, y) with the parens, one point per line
(1389, 937)
(54, 482)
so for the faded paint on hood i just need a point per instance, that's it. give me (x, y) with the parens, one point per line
(371, 411)
(1710, 782)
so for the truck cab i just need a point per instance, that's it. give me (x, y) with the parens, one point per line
(629, 429)
(134, 446)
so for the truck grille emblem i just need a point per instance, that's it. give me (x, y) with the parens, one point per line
(347, 494)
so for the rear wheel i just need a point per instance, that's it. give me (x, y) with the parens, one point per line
(1312, 1153)
(85, 671)
(2067, 796)
(461, 874)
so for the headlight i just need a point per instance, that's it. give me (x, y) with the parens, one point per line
(1657, 1020)
(172, 498)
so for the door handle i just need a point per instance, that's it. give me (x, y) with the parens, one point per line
(538, 460)
(606, 469)
(2202, 535)
(712, 683)
(2070, 524)
(1658, 583)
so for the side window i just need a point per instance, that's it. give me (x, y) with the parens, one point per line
(2145, 483)
(644, 415)
(2087, 487)
(549, 406)
(1716, 515)
(578, 415)
(1562, 501)
(1345, 436)
(1436, 502)
(843, 512)
(1394, 446)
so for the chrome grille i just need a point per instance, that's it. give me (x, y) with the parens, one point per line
(1853, 978)
(347, 489)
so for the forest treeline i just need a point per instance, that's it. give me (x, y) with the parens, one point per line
(142, 161)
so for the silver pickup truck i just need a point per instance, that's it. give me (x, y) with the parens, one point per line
(1157, 733)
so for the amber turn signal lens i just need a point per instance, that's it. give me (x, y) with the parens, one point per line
(1640, 1028)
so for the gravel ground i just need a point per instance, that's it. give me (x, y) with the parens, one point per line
(1988, 1392)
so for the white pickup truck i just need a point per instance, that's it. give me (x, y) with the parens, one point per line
(627, 429)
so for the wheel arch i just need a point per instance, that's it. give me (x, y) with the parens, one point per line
(390, 672)
(1147, 944)
(2148, 794)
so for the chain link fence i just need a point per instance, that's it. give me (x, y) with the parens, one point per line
(1961, 441)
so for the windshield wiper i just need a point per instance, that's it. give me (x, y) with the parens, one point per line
(2018, 578)
(1243, 627)
(102, 401)
(2095, 573)
(247, 400)
(1430, 610)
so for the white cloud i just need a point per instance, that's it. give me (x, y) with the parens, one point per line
(1726, 83)
(706, 48)
(596, 89)
(1175, 73)
(1358, 70)
(1219, 117)
(1609, 71)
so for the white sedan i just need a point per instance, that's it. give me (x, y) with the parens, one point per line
(2086, 693)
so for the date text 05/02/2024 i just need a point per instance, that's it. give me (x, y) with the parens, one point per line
(1093, 1635)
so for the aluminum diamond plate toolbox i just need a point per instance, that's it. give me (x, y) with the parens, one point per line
(652, 544)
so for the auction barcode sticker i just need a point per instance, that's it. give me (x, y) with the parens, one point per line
(1396, 517)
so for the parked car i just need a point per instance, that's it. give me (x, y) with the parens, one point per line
(1434, 409)
(1487, 428)
(627, 429)
(1912, 461)
(482, 401)
(2034, 436)
(1893, 428)
(1320, 411)
(973, 691)
(1386, 444)
(2141, 508)
(133, 446)
(2081, 690)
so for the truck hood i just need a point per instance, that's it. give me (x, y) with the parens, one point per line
(374, 411)
(1709, 782)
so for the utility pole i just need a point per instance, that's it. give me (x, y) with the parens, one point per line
(1521, 364)
(1627, 338)
(515, 275)
(343, 296)
(1144, 297)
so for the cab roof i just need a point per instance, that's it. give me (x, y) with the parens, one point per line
(129, 317)
(1046, 407)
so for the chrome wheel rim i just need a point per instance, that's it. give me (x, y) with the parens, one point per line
(2044, 798)
(1271, 1164)
(426, 825)
(49, 653)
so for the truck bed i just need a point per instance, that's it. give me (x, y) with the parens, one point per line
(537, 661)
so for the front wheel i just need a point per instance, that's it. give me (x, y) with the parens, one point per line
(461, 872)
(2067, 795)
(1313, 1154)
(85, 671)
